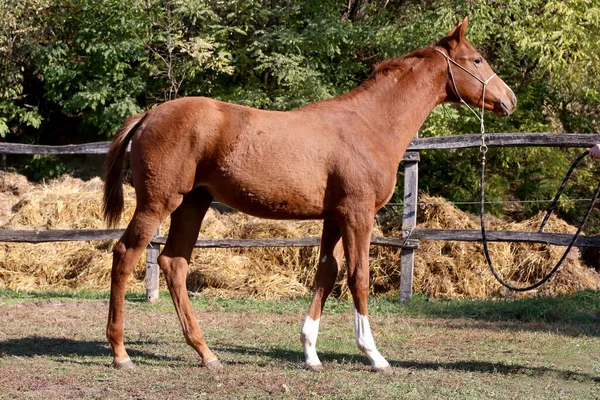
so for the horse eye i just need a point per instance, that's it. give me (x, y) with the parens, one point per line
(478, 61)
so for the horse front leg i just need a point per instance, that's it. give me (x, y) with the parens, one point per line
(356, 235)
(330, 258)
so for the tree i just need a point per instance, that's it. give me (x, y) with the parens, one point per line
(18, 29)
(83, 66)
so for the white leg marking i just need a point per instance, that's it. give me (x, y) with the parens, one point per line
(365, 342)
(308, 336)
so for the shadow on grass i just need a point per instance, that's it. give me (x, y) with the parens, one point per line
(55, 347)
(496, 368)
(572, 314)
(462, 366)
(279, 354)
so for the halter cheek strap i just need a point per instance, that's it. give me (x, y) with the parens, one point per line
(483, 82)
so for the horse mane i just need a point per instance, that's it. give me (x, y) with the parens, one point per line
(401, 65)
(398, 67)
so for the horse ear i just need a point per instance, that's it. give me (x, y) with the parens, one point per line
(453, 31)
(454, 37)
(463, 27)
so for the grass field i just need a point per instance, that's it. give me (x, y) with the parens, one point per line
(52, 346)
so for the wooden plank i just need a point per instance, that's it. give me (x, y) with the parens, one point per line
(75, 235)
(409, 221)
(506, 139)
(296, 242)
(411, 156)
(558, 239)
(395, 242)
(441, 142)
(88, 148)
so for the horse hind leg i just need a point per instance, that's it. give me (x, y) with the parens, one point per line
(126, 253)
(174, 262)
(330, 258)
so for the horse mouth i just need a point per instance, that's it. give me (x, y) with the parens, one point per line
(502, 110)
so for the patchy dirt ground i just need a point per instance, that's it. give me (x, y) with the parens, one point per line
(56, 349)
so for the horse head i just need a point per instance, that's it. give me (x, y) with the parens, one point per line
(470, 78)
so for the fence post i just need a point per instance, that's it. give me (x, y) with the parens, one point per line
(409, 221)
(152, 252)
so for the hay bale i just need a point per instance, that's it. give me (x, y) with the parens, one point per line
(459, 269)
(64, 203)
(268, 273)
(12, 186)
(443, 269)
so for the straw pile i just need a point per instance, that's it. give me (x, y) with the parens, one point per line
(443, 269)
(459, 270)
(273, 272)
(66, 203)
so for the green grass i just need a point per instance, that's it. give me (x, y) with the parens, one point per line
(580, 307)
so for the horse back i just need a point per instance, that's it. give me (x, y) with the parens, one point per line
(267, 163)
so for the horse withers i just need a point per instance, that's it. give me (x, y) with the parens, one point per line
(334, 160)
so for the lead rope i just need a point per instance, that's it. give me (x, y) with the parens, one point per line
(483, 149)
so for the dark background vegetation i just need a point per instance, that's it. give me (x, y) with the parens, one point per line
(71, 71)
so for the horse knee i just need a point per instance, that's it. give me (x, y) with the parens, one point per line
(121, 266)
(114, 333)
(164, 263)
(119, 251)
(174, 268)
(358, 285)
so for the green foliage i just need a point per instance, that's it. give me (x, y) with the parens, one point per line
(92, 66)
(95, 62)
(185, 51)
(42, 166)
(19, 23)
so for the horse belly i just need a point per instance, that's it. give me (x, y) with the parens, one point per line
(274, 198)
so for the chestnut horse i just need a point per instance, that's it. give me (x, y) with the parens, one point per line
(334, 160)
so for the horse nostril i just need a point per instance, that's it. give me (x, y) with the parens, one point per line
(501, 108)
(514, 100)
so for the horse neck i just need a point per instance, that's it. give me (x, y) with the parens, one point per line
(397, 106)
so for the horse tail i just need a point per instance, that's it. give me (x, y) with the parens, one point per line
(113, 185)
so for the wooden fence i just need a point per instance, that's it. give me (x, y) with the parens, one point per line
(412, 235)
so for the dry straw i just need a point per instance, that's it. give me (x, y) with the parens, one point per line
(443, 269)
(459, 269)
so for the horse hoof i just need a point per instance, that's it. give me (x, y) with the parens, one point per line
(123, 364)
(214, 365)
(314, 367)
(384, 369)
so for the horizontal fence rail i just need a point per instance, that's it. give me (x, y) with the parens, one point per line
(431, 143)
(459, 235)
(505, 140)
(76, 235)
(88, 148)
(411, 234)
